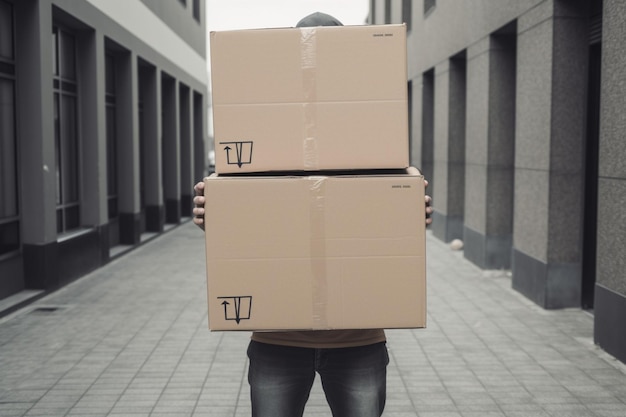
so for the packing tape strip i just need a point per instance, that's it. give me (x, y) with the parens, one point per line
(308, 62)
(318, 251)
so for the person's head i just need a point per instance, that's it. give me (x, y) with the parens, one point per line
(318, 19)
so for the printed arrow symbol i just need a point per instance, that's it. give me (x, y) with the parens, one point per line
(237, 310)
(237, 307)
(227, 149)
(239, 148)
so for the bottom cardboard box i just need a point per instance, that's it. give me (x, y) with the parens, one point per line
(316, 252)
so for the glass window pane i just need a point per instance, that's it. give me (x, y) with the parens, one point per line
(68, 60)
(57, 147)
(110, 74)
(8, 157)
(6, 30)
(111, 152)
(59, 221)
(55, 52)
(9, 237)
(69, 149)
(72, 218)
(196, 9)
(112, 205)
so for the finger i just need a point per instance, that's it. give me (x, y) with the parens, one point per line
(199, 200)
(199, 188)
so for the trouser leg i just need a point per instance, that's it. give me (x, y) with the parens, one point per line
(355, 380)
(280, 379)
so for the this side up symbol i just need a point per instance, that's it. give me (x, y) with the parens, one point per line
(242, 154)
(237, 308)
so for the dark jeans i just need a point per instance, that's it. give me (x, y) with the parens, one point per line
(354, 379)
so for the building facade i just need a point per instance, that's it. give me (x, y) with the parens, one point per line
(516, 112)
(102, 132)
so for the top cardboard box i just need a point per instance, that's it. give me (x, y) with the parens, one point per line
(310, 99)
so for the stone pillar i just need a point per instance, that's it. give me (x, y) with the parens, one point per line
(35, 123)
(200, 152)
(171, 148)
(489, 152)
(610, 289)
(449, 149)
(549, 177)
(151, 148)
(187, 179)
(427, 129)
(91, 67)
(127, 129)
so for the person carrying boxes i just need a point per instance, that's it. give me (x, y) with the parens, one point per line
(351, 363)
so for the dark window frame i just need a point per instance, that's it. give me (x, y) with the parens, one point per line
(67, 137)
(406, 13)
(196, 10)
(111, 134)
(387, 12)
(10, 239)
(429, 7)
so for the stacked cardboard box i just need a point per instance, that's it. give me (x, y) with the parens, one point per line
(325, 228)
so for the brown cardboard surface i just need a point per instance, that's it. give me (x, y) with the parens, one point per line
(310, 98)
(315, 252)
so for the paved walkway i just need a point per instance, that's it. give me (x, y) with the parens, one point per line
(131, 339)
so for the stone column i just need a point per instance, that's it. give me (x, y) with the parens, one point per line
(170, 148)
(610, 289)
(35, 123)
(449, 149)
(549, 177)
(151, 147)
(128, 148)
(489, 152)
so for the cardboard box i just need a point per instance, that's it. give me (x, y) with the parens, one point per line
(310, 98)
(315, 252)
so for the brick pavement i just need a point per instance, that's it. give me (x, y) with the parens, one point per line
(131, 340)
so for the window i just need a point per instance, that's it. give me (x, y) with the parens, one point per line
(111, 135)
(196, 9)
(65, 89)
(406, 13)
(429, 6)
(9, 208)
(387, 12)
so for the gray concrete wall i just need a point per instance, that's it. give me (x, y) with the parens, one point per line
(610, 293)
(549, 142)
(179, 18)
(612, 175)
(458, 24)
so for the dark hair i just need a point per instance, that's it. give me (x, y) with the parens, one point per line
(318, 19)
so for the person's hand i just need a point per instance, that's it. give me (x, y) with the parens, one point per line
(429, 209)
(198, 201)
